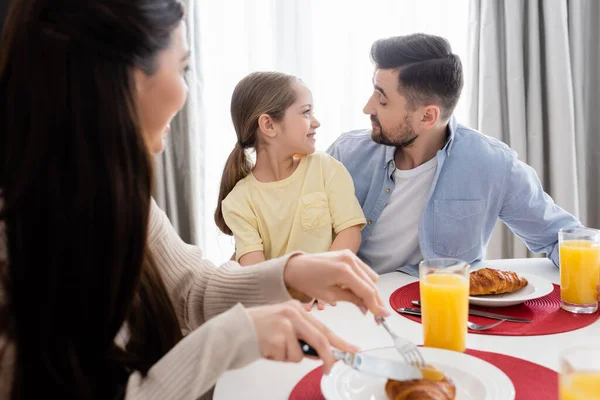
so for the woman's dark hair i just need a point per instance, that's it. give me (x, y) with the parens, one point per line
(429, 71)
(3, 12)
(76, 181)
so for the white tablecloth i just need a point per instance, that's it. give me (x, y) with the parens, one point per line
(273, 380)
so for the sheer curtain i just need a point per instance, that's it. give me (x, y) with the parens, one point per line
(179, 169)
(535, 65)
(325, 43)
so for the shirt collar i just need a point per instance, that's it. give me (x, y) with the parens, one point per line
(390, 152)
(452, 125)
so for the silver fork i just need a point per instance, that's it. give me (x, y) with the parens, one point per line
(471, 325)
(479, 327)
(407, 349)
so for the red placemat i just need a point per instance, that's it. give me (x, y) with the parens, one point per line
(532, 381)
(545, 312)
(309, 387)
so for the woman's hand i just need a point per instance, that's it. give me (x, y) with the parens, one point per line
(320, 305)
(280, 326)
(335, 276)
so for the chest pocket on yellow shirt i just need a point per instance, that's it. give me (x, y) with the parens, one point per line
(314, 211)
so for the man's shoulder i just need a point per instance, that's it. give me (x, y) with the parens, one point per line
(355, 142)
(479, 145)
(357, 136)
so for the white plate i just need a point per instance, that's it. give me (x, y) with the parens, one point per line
(474, 378)
(536, 287)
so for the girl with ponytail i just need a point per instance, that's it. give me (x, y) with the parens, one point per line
(293, 198)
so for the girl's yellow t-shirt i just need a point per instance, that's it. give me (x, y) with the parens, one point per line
(302, 212)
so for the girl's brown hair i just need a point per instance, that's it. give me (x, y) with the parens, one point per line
(259, 93)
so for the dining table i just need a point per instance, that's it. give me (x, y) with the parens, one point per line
(265, 379)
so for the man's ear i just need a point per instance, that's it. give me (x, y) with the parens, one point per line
(431, 115)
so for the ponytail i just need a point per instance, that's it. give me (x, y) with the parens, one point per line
(237, 167)
(270, 93)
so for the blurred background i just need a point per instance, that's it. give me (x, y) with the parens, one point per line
(531, 70)
(531, 80)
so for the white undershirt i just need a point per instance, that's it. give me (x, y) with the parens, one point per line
(394, 241)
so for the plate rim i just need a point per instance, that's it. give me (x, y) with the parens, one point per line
(326, 391)
(532, 296)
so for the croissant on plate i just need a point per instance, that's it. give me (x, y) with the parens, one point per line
(421, 389)
(493, 281)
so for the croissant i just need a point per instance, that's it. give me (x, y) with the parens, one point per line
(493, 281)
(421, 389)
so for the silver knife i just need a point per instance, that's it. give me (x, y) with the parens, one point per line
(410, 311)
(371, 365)
(378, 366)
(487, 314)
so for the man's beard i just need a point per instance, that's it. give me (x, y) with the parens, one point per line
(396, 139)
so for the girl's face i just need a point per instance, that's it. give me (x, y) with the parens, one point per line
(298, 127)
(161, 95)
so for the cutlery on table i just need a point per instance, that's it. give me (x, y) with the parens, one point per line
(371, 365)
(407, 349)
(470, 325)
(486, 314)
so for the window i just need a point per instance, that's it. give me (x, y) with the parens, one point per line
(326, 43)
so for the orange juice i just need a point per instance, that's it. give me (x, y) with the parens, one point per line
(579, 272)
(580, 386)
(444, 309)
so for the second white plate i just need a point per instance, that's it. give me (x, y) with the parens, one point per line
(536, 287)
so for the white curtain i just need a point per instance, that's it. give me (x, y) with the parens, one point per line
(326, 43)
(180, 167)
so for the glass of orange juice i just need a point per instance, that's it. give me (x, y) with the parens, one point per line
(579, 251)
(444, 286)
(579, 374)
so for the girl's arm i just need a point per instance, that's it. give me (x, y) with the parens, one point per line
(350, 238)
(243, 223)
(252, 258)
(347, 216)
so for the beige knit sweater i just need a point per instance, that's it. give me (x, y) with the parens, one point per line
(201, 291)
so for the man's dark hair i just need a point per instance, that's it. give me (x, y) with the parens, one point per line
(429, 71)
